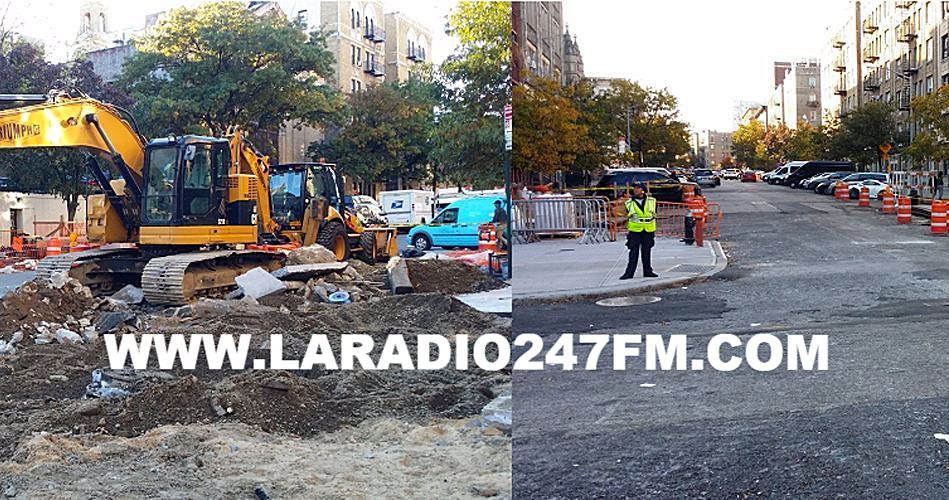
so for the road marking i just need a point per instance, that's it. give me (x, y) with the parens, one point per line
(903, 242)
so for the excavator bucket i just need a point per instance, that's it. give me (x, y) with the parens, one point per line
(380, 243)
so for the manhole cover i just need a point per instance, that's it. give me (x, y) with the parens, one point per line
(691, 268)
(636, 300)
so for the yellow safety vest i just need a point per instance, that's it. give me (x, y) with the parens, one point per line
(641, 220)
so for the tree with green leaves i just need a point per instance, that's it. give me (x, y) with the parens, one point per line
(657, 137)
(203, 69)
(548, 136)
(60, 171)
(863, 131)
(390, 135)
(469, 146)
(747, 144)
(930, 143)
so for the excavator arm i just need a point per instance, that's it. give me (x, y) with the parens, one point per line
(248, 161)
(59, 121)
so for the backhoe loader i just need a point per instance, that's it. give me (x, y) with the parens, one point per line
(309, 207)
(175, 213)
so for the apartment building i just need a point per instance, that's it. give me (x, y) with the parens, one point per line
(889, 51)
(711, 147)
(369, 47)
(409, 43)
(540, 38)
(796, 97)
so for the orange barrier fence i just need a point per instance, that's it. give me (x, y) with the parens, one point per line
(670, 219)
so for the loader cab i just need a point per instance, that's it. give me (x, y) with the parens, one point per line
(185, 182)
(292, 186)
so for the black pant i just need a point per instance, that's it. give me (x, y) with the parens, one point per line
(636, 243)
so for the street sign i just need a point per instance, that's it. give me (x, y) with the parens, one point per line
(885, 148)
(508, 127)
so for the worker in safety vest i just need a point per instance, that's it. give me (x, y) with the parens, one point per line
(641, 231)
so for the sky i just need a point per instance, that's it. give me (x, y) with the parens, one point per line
(709, 54)
(57, 21)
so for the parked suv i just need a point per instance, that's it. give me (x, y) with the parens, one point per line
(662, 185)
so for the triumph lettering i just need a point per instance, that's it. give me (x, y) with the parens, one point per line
(14, 131)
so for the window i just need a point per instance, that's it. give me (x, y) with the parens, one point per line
(301, 16)
(353, 17)
(159, 196)
(358, 56)
(929, 84)
(353, 54)
(196, 191)
(354, 82)
(448, 216)
(929, 49)
(945, 46)
(945, 79)
(812, 81)
(102, 22)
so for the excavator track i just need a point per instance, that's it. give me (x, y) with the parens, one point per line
(100, 269)
(179, 278)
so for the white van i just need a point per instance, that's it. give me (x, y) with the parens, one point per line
(407, 206)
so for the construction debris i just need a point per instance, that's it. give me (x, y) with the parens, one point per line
(51, 341)
(129, 294)
(258, 283)
(307, 271)
(449, 277)
(313, 254)
(399, 276)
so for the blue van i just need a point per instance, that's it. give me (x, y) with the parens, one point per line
(456, 225)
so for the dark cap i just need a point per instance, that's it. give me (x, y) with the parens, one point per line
(497, 202)
(639, 185)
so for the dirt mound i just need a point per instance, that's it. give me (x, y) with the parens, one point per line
(450, 277)
(42, 387)
(379, 458)
(34, 301)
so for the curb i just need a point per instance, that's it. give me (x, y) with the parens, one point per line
(721, 261)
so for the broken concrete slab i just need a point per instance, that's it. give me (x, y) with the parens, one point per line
(497, 413)
(258, 283)
(111, 320)
(399, 276)
(64, 335)
(313, 254)
(129, 294)
(306, 271)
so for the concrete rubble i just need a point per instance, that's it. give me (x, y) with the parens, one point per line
(55, 366)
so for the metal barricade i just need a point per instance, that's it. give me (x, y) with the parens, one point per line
(589, 217)
(670, 218)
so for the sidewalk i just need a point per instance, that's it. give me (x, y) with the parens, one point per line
(557, 269)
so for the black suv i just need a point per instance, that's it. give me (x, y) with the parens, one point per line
(662, 185)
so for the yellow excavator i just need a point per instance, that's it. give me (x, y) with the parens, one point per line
(309, 206)
(175, 213)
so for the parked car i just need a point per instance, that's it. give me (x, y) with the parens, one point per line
(662, 185)
(874, 186)
(731, 173)
(814, 167)
(786, 171)
(705, 177)
(749, 176)
(826, 185)
(456, 225)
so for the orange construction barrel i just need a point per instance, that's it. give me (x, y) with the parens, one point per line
(904, 214)
(54, 247)
(937, 219)
(888, 200)
(864, 200)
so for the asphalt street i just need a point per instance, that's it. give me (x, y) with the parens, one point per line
(799, 264)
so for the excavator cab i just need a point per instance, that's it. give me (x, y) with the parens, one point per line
(189, 198)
